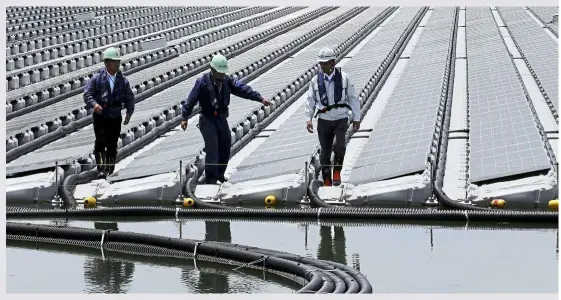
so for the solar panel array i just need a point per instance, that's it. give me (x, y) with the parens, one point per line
(504, 139)
(545, 14)
(400, 141)
(539, 49)
(290, 146)
(160, 101)
(186, 146)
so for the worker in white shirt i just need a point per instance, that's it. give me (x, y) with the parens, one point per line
(333, 95)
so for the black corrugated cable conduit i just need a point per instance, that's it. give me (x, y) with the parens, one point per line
(452, 225)
(321, 276)
(134, 253)
(190, 186)
(68, 187)
(67, 190)
(356, 282)
(75, 125)
(328, 213)
(353, 42)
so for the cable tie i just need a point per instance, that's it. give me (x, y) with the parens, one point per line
(177, 213)
(195, 250)
(102, 242)
(319, 211)
(102, 254)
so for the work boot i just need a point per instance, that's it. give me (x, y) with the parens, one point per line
(337, 171)
(110, 166)
(222, 179)
(336, 177)
(100, 162)
(326, 172)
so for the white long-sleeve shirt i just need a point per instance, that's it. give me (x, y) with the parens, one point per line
(112, 79)
(348, 96)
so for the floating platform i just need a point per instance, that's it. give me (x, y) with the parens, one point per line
(458, 97)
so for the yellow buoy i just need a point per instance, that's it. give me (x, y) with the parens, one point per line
(90, 201)
(188, 202)
(270, 200)
(553, 204)
(498, 203)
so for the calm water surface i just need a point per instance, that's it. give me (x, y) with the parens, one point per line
(395, 259)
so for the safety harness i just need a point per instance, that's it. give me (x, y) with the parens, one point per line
(105, 102)
(338, 78)
(217, 105)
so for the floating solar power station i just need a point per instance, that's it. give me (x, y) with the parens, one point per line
(462, 97)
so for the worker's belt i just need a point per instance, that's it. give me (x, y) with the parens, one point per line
(114, 105)
(216, 113)
(330, 107)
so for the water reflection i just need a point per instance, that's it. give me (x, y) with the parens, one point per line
(332, 248)
(210, 282)
(408, 256)
(108, 276)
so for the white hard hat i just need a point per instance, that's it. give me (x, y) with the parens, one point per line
(326, 54)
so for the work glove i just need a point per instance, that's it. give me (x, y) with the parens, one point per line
(127, 120)
(184, 125)
(266, 102)
(356, 125)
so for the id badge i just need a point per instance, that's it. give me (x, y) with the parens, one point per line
(104, 96)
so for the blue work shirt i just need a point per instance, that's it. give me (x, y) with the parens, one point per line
(204, 93)
(109, 92)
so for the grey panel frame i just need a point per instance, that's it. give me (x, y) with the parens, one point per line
(20, 124)
(46, 84)
(396, 148)
(49, 113)
(504, 139)
(289, 147)
(150, 107)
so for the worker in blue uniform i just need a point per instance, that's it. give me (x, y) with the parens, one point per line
(107, 92)
(212, 92)
(333, 95)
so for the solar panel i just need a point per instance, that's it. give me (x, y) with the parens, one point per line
(546, 13)
(290, 146)
(155, 104)
(188, 145)
(504, 139)
(539, 49)
(400, 142)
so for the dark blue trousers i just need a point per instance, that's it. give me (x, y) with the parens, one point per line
(218, 141)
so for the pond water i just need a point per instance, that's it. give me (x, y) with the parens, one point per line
(395, 259)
